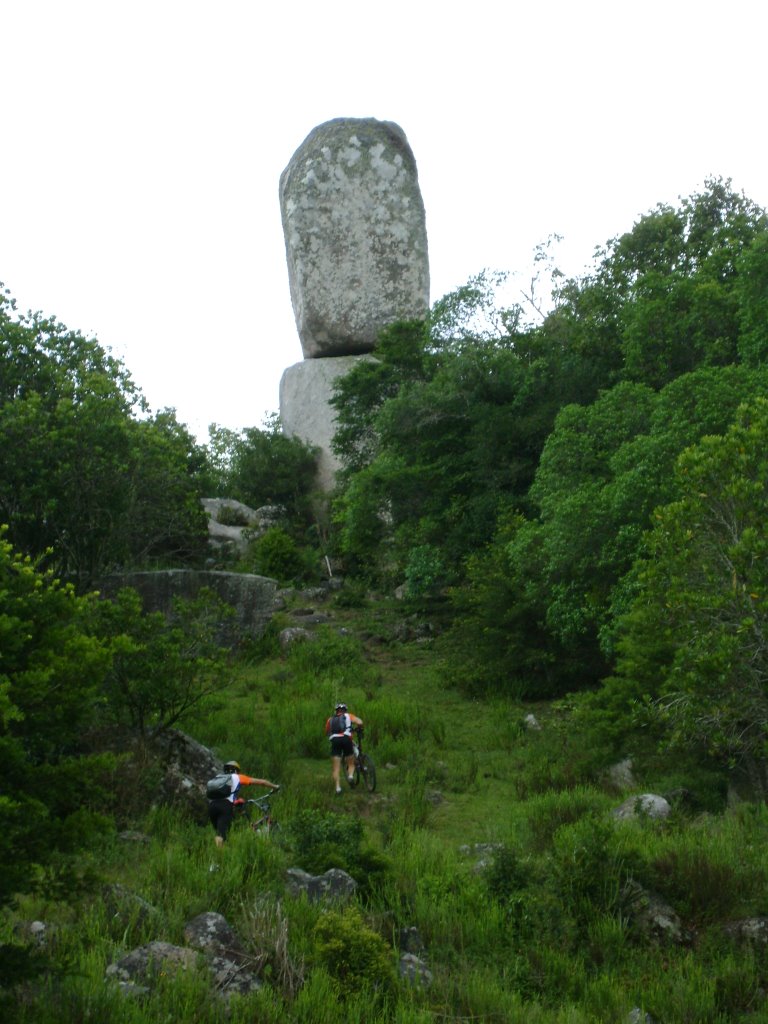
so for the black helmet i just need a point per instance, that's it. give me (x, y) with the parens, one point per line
(341, 707)
(231, 766)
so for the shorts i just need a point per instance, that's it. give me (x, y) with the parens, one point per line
(341, 746)
(221, 812)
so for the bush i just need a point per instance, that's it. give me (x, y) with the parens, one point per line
(322, 841)
(352, 952)
(587, 870)
(276, 554)
(547, 813)
(329, 651)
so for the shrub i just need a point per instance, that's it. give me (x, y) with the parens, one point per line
(586, 866)
(352, 952)
(276, 554)
(545, 814)
(328, 651)
(321, 840)
(507, 875)
(352, 595)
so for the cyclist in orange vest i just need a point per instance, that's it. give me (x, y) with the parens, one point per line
(222, 809)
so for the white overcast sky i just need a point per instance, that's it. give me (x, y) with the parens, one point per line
(143, 142)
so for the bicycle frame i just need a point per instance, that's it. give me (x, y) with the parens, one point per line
(257, 813)
(363, 766)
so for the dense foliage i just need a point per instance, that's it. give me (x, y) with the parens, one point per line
(263, 467)
(87, 476)
(51, 669)
(520, 464)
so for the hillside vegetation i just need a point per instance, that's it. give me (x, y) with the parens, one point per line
(492, 839)
(570, 499)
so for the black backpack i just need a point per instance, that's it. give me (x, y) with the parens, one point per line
(219, 787)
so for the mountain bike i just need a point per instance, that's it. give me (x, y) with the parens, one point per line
(256, 813)
(363, 766)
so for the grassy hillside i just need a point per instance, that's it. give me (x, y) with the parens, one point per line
(487, 836)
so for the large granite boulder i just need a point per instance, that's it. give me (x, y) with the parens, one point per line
(232, 525)
(355, 235)
(251, 596)
(305, 391)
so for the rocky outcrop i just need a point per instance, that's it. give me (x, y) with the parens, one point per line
(138, 971)
(355, 235)
(305, 392)
(651, 917)
(187, 765)
(252, 597)
(232, 525)
(334, 886)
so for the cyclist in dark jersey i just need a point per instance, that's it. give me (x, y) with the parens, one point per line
(338, 728)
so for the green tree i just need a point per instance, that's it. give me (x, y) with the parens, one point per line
(160, 667)
(402, 355)
(276, 554)
(695, 641)
(752, 293)
(446, 445)
(550, 602)
(51, 671)
(87, 476)
(664, 297)
(264, 467)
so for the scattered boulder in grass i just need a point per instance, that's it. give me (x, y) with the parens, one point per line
(651, 917)
(334, 886)
(32, 933)
(133, 836)
(646, 805)
(483, 853)
(127, 907)
(639, 1016)
(211, 933)
(621, 775)
(187, 765)
(752, 930)
(217, 951)
(410, 940)
(231, 977)
(309, 617)
(414, 971)
(143, 965)
(294, 635)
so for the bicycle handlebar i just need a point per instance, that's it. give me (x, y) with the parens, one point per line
(261, 801)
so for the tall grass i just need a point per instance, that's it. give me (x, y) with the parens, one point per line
(532, 930)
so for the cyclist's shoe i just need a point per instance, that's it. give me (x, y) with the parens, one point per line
(350, 778)
(338, 791)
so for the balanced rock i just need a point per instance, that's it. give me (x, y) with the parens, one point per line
(305, 392)
(355, 235)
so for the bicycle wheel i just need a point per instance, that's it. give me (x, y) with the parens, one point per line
(368, 771)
